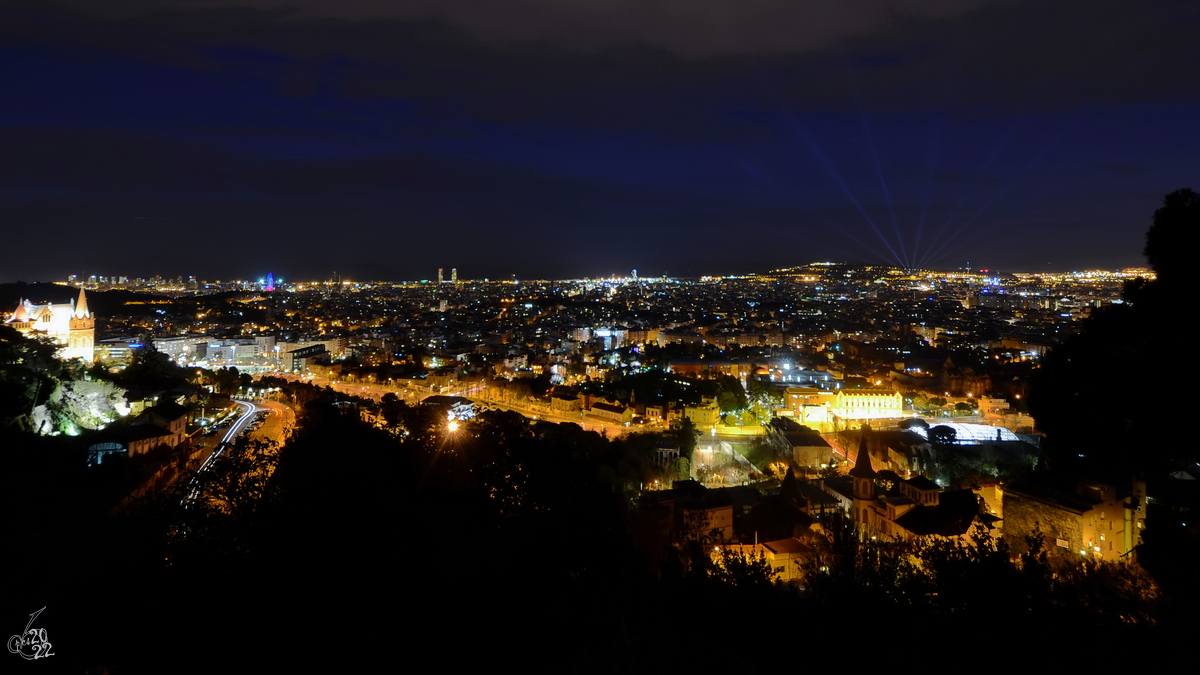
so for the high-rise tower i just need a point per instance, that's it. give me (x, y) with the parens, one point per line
(439, 275)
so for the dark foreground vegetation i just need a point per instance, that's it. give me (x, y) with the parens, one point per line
(503, 544)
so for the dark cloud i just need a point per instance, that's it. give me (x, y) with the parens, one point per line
(691, 28)
(143, 204)
(553, 135)
(499, 57)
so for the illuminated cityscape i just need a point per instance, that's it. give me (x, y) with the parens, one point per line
(654, 337)
(896, 401)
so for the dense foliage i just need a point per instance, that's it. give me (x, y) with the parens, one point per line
(417, 539)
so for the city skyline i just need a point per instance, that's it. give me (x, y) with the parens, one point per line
(270, 283)
(554, 142)
(614, 318)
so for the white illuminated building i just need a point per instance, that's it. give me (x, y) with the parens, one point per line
(868, 404)
(70, 325)
(972, 433)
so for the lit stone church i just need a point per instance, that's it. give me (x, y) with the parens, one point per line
(69, 324)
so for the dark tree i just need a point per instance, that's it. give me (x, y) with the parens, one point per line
(1070, 395)
(28, 373)
(151, 369)
(1169, 240)
(392, 409)
(686, 433)
(943, 436)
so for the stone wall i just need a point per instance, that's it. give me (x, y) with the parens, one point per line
(1024, 515)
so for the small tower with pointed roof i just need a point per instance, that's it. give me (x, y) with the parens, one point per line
(864, 482)
(81, 308)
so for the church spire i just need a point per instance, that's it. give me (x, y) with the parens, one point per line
(864, 484)
(22, 313)
(862, 465)
(81, 308)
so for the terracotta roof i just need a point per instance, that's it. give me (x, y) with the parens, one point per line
(21, 314)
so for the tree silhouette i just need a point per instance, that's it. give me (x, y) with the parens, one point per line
(151, 369)
(943, 436)
(1169, 241)
(1069, 396)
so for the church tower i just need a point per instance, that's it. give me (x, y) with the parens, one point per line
(81, 337)
(69, 324)
(864, 485)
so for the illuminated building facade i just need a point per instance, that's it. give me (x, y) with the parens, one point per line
(867, 404)
(613, 411)
(1095, 520)
(808, 404)
(890, 508)
(70, 325)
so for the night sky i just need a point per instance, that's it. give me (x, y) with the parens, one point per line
(550, 139)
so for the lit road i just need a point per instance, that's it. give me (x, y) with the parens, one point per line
(376, 391)
(476, 393)
(248, 410)
(278, 423)
(588, 423)
(235, 429)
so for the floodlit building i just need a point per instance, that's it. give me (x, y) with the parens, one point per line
(786, 557)
(705, 415)
(808, 449)
(115, 351)
(615, 412)
(868, 404)
(70, 325)
(1094, 520)
(240, 350)
(888, 507)
(191, 347)
(808, 404)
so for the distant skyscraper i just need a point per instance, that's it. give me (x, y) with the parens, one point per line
(439, 275)
(454, 275)
(270, 286)
(635, 274)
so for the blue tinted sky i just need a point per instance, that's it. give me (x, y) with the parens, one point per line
(384, 140)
